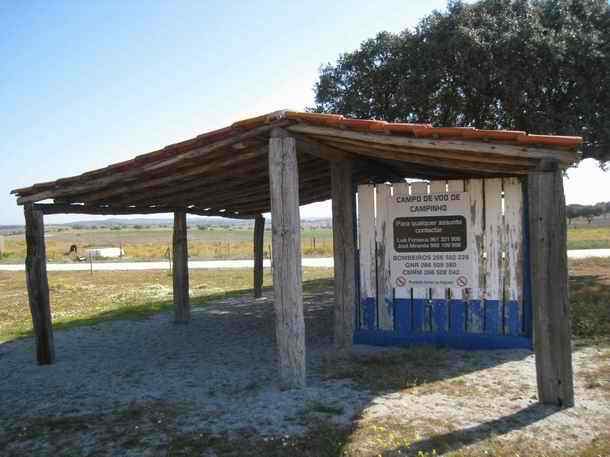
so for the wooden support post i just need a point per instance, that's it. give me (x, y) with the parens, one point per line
(549, 278)
(259, 237)
(344, 250)
(38, 285)
(180, 269)
(287, 274)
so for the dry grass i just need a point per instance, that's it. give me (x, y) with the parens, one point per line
(217, 244)
(150, 428)
(80, 298)
(154, 244)
(590, 297)
(592, 237)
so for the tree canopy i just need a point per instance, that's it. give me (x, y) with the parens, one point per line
(542, 66)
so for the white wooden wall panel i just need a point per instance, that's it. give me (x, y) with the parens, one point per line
(401, 292)
(493, 236)
(474, 187)
(513, 239)
(495, 233)
(366, 221)
(385, 293)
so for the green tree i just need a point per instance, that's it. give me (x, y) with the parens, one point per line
(540, 66)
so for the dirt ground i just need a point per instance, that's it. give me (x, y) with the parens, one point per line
(150, 387)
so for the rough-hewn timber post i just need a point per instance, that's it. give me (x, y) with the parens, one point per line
(344, 250)
(259, 237)
(549, 274)
(180, 269)
(38, 285)
(287, 274)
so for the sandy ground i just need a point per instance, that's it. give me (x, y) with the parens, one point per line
(221, 369)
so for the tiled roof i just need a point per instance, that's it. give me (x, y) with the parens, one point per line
(233, 160)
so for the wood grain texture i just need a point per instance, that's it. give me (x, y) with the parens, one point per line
(287, 274)
(401, 188)
(435, 144)
(385, 293)
(366, 221)
(38, 286)
(182, 312)
(549, 270)
(259, 236)
(514, 255)
(344, 253)
(438, 293)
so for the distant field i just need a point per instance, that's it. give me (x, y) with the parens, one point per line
(153, 244)
(222, 243)
(593, 237)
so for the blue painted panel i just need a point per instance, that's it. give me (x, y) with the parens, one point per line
(467, 341)
(419, 315)
(513, 323)
(493, 323)
(476, 318)
(457, 317)
(370, 308)
(440, 316)
(403, 315)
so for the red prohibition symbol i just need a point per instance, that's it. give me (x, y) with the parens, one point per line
(400, 281)
(461, 281)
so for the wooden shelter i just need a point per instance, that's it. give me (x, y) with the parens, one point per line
(276, 162)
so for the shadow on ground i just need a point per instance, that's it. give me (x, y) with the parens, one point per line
(154, 425)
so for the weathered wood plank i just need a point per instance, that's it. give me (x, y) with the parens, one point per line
(259, 239)
(513, 259)
(549, 277)
(90, 181)
(182, 311)
(38, 286)
(57, 208)
(385, 293)
(401, 188)
(287, 274)
(433, 145)
(421, 295)
(439, 294)
(473, 294)
(344, 248)
(368, 268)
(494, 262)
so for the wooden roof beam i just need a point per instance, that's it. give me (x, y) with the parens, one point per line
(565, 157)
(55, 208)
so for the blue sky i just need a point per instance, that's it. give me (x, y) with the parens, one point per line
(85, 84)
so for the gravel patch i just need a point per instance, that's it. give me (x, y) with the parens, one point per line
(220, 370)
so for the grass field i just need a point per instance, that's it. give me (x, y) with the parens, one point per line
(220, 243)
(80, 298)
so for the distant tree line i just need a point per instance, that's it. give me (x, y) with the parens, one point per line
(587, 211)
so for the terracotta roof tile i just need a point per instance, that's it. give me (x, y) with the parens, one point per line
(417, 130)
